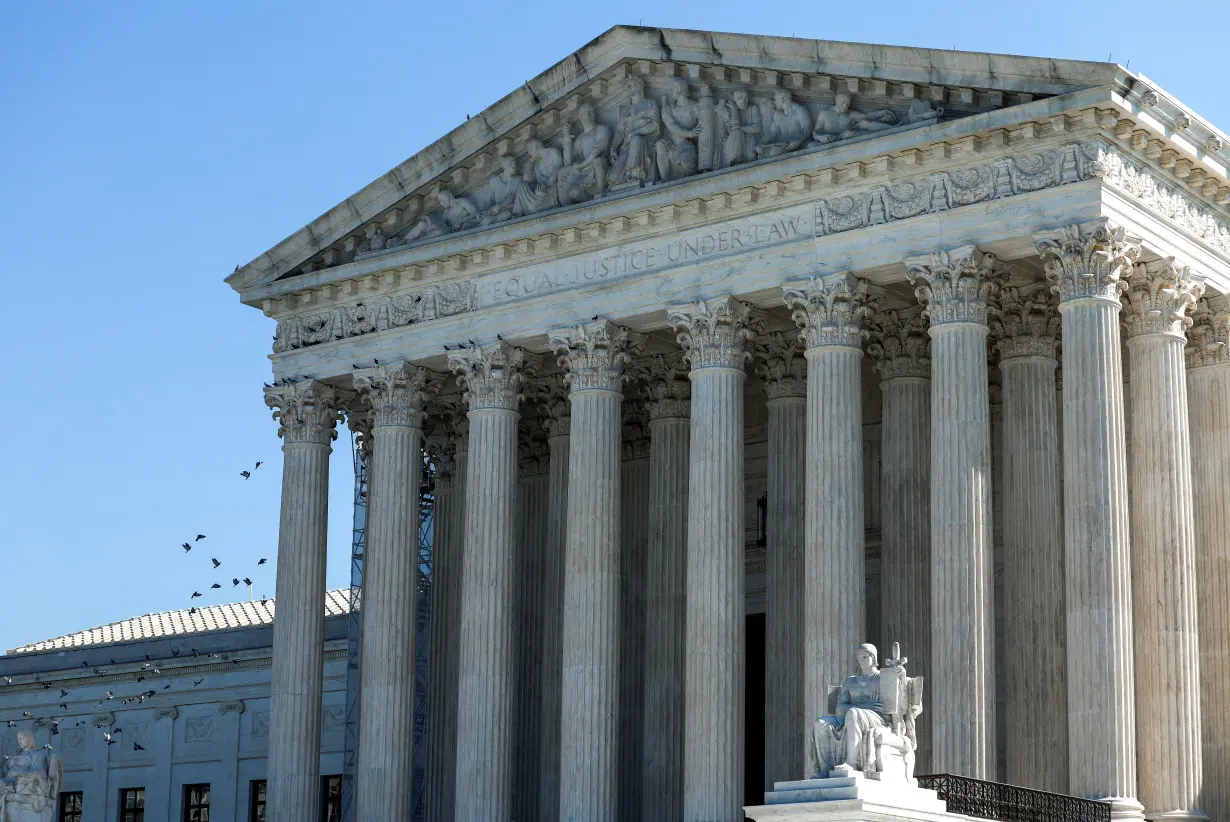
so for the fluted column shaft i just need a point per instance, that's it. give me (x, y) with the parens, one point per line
(634, 536)
(307, 413)
(589, 734)
(446, 555)
(1035, 653)
(1085, 262)
(902, 351)
(1168, 717)
(385, 772)
(783, 372)
(1208, 397)
(558, 428)
(714, 334)
(665, 611)
(533, 521)
(954, 287)
(492, 378)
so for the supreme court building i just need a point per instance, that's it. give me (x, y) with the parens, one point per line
(735, 352)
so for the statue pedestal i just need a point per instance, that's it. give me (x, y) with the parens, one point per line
(852, 798)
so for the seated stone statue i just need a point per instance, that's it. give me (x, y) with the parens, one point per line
(29, 783)
(840, 122)
(871, 728)
(455, 214)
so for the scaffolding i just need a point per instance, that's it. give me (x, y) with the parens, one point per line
(354, 633)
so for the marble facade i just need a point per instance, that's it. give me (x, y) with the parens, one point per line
(673, 238)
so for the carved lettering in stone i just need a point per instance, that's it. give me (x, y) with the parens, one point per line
(1088, 261)
(954, 286)
(594, 354)
(714, 333)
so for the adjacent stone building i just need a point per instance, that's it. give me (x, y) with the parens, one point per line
(877, 342)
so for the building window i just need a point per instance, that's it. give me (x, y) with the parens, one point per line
(70, 806)
(256, 804)
(331, 799)
(196, 803)
(132, 805)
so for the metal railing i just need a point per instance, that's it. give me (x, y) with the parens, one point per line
(994, 800)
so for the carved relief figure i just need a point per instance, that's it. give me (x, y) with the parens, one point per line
(708, 131)
(502, 197)
(676, 153)
(840, 122)
(455, 214)
(639, 124)
(29, 782)
(742, 124)
(373, 240)
(586, 156)
(921, 111)
(788, 126)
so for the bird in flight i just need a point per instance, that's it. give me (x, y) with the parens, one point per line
(187, 547)
(215, 561)
(199, 537)
(197, 682)
(215, 585)
(195, 594)
(234, 581)
(258, 465)
(245, 474)
(191, 611)
(247, 581)
(110, 740)
(137, 747)
(262, 561)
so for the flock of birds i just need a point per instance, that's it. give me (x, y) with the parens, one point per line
(147, 669)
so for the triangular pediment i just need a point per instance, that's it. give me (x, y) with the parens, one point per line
(711, 103)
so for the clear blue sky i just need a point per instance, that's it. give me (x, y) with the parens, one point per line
(147, 148)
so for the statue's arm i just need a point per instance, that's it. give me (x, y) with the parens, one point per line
(844, 703)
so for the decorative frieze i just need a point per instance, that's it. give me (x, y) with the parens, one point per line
(1159, 297)
(782, 368)
(714, 333)
(594, 354)
(900, 345)
(954, 286)
(492, 375)
(1209, 335)
(396, 394)
(1026, 322)
(306, 411)
(830, 310)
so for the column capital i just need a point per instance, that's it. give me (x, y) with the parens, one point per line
(396, 393)
(444, 453)
(306, 411)
(954, 286)
(1087, 260)
(554, 407)
(594, 354)
(831, 309)
(359, 421)
(1026, 322)
(451, 410)
(664, 384)
(634, 431)
(492, 374)
(1159, 297)
(533, 455)
(782, 367)
(900, 345)
(714, 333)
(1209, 336)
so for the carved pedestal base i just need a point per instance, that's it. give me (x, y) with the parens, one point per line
(852, 798)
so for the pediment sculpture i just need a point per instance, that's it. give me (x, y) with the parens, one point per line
(643, 142)
(29, 782)
(870, 727)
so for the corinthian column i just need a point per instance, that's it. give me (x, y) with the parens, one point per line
(832, 313)
(594, 355)
(554, 407)
(385, 772)
(1160, 295)
(954, 287)
(307, 413)
(902, 353)
(667, 392)
(448, 520)
(783, 371)
(1085, 263)
(713, 333)
(1035, 653)
(492, 376)
(1208, 398)
(634, 539)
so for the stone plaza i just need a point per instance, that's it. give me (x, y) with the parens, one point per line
(880, 343)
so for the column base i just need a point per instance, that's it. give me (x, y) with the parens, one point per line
(852, 798)
(1125, 808)
(1192, 814)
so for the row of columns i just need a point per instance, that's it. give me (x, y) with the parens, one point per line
(1118, 629)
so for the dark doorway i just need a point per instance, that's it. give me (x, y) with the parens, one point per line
(753, 734)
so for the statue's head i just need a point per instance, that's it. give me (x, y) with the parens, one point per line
(740, 98)
(533, 146)
(706, 90)
(25, 740)
(842, 102)
(679, 89)
(508, 164)
(782, 100)
(444, 197)
(587, 116)
(867, 657)
(636, 87)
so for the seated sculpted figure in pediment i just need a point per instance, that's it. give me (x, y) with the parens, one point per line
(871, 728)
(454, 214)
(840, 122)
